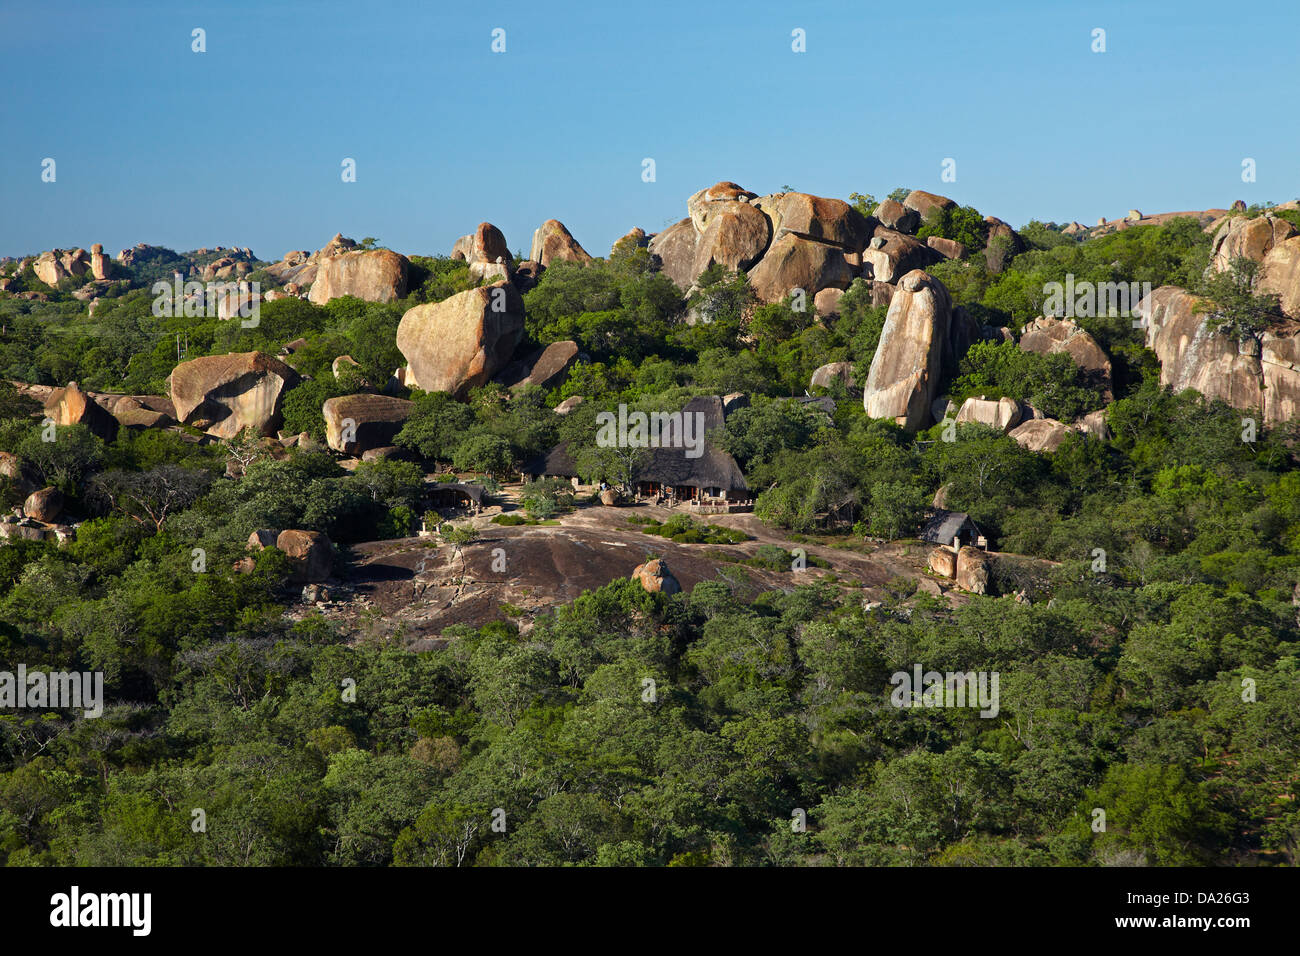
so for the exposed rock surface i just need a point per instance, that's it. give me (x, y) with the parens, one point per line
(355, 424)
(310, 554)
(378, 276)
(654, 576)
(890, 255)
(1003, 414)
(973, 570)
(908, 364)
(925, 203)
(223, 394)
(832, 371)
(44, 505)
(1240, 237)
(736, 236)
(1045, 336)
(792, 262)
(1280, 275)
(675, 250)
(943, 561)
(72, 406)
(546, 367)
(1040, 434)
(894, 215)
(552, 242)
(461, 342)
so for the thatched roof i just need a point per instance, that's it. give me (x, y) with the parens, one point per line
(714, 469)
(943, 526)
(473, 492)
(555, 462)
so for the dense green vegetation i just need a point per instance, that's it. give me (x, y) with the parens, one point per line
(1153, 673)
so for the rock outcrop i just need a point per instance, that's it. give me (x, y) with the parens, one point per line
(1002, 414)
(310, 554)
(973, 570)
(904, 377)
(1040, 434)
(72, 406)
(224, 394)
(545, 368)
(925, 203)
(890, 255)
(736, 235)
(552, 242)
(1244, 238)
(461, 342)
(654, 576)
(831, 372)
(674, 248)
(378, 276)
(943, 561)
(1045, 336)
(1280, 275)
(793, 262)
(355, 424)
(44, 505)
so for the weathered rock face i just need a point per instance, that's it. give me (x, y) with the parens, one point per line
(489, 244)
(1004, 244)
(463, 248)
(609, 497)
(378, 276)
(72, 406)
(675, 249)
(568, 405)
(894, 215)
(890, 255)
(1044, 336)
(736, 236)
(833, 371)
(139, 411)
(1040, 434)
(948, 248)
(45, 505)
(635, 239)
(545, 368)
(655, 576)
(12, 467)
(795, 263)
(973, 570)
(1280, 275)
(224, 394)
(1216, 365)
(1002, 415)
(1093, 424)
(310, 554)
(827, 301)
(702, 204)
(461, 342)
(1252, 239)
(905, 372)
(552, 242)
(817, 218)
(49, 267)
(943, 561)
(355, 424)
(924, 203)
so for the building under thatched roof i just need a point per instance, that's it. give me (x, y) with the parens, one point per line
(713, 474)
(454, 494)
(943, 526)
(556, 463)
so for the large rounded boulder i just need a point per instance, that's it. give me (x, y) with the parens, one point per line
(377, 276)
(224, 394)
(461, 342)
(904, 378)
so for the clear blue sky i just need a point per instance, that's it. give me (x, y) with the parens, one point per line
(242, 145)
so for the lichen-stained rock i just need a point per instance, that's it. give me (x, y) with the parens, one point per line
(545, 368)
(827, 301)
(44, 505)
(736, 236)
(635, 239)
(355, 424)
(489, 244)
(461, 342)
(890, 255)
(925, 203)
(1244, 238)
(908, 364)
(1191, 355)
(1280, 275)
(816, 218)
(310, 554)
(1003, 244)
(224, 394)
(72, 406)
(654, 576)
(948, 248)
(139, 411)
(795, 263)
(1280, 359)
(973, 570)
(1040, 434)
(894, 215)
(1045, 336)
(376, 276)
(1002, 414)
(675, 250)
(832, 371)
(552, 242)
(943, 561)
(701, 206)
